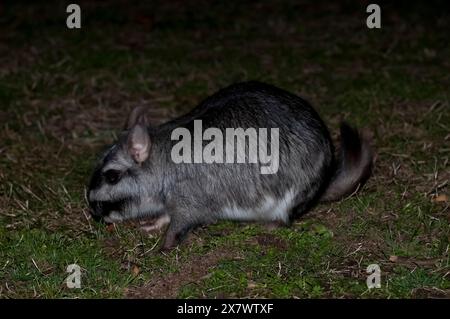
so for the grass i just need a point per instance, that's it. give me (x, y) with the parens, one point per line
(64, 94)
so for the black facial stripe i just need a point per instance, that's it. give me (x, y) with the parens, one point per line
(118, 206)
(113, 206)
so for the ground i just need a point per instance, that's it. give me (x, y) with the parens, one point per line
(64, 95)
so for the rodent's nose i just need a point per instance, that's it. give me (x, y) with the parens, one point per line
(96, 211)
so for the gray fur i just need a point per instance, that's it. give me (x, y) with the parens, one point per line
(194, 194)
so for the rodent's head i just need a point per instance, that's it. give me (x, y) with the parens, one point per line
(116, 191)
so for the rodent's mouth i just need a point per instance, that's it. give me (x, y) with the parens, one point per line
(107, 211)
(113, 217)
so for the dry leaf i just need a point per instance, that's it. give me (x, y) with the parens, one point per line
(135, 270)
(251, 285)
(441, 198)
(393, 259)
(110, 228)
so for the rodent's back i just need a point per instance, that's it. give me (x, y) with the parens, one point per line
(260, 100)
(305, 149)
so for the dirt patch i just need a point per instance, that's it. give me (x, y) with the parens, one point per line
(271, 241)
(431, 292)
(195, 269)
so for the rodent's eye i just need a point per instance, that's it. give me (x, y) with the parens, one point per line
(112, 176)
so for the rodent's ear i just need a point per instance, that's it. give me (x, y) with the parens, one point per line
(138, 143)
(137, 116)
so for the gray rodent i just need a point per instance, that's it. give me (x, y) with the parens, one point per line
(137, 178)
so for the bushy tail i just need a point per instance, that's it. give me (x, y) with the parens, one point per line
(354, 165)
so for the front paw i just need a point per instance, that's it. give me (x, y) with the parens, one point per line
(168, 245)
(154, 225)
